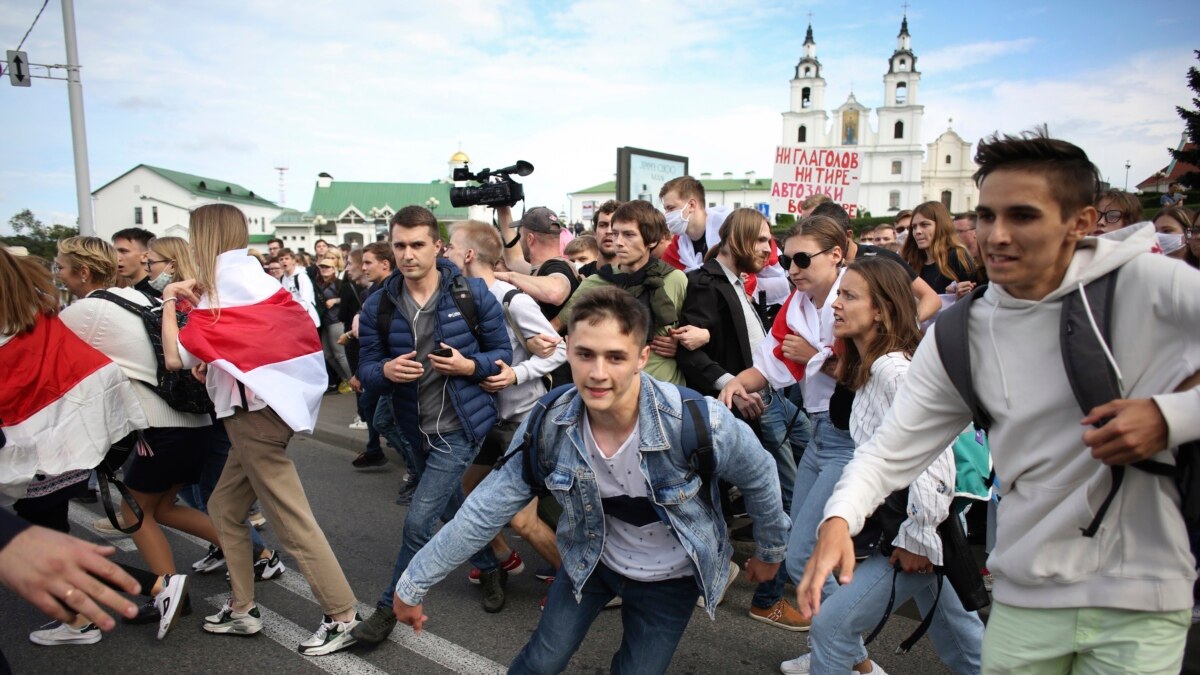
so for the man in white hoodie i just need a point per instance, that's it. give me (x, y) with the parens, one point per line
(1114, 602)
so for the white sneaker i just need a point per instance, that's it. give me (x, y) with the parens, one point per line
(58, 633)
(169, 601)
(229, 622)
(358, 424)
(733, 572)
(330, 637)
(803, 664)
(268, 568)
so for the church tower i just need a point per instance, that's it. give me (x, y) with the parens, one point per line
(805, 123)
(895, 160)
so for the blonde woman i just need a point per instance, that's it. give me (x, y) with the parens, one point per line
(265, 374)
(169, 259)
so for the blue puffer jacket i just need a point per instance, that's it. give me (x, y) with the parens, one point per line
(475, 407)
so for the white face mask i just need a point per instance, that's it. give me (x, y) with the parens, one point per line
(578, 265)
(676, 220)
(160, 282)
(1169, 242)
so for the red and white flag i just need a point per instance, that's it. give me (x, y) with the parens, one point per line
(262, 338)
(799, 316)
(62, 405)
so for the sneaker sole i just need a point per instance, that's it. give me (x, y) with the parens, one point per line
(330, 647)
(206, 569)
(232, 629)
(89, 639)
(781, 626)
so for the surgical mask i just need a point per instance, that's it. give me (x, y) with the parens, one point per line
(676, 220)
(160, 282)
(1169, 242)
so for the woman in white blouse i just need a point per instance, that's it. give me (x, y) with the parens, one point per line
(875, 319)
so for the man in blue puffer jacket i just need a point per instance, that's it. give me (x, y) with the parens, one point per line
(431, 363)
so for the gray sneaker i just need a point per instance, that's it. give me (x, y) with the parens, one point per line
(330, 637)
(492, 584)
(376, 628)
(229, 622)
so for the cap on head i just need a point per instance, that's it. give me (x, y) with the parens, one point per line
(540, 219)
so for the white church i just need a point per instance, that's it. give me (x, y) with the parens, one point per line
(897, 172)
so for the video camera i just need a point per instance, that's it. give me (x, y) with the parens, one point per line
(496, 188)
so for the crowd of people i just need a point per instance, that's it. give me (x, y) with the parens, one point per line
(622, 398)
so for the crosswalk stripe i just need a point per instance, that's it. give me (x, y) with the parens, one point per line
(289, 635)
(439, 650)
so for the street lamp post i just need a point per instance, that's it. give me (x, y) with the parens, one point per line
(1127, 165)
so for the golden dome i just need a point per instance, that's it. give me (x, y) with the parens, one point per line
(460, 157)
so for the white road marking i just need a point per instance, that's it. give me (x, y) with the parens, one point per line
(290, 635)
(439, 650)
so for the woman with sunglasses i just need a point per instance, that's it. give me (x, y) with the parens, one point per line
(330, 290)
(933, 249)
(799, 349)
(875, 321)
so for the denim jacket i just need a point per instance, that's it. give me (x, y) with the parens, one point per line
(675, 490)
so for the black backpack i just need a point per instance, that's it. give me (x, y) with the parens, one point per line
(1083, 352)
(178, 388)
(460, 292)
(695, 439)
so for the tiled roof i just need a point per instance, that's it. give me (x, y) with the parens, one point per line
(1171, 172)
(332, 201)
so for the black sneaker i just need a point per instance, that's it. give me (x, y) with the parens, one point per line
(492, 584)
(365, 460)
(266, 569)
(376, 628)
(214, 559)
(406, 493)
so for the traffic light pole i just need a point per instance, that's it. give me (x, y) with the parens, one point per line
(83, 192)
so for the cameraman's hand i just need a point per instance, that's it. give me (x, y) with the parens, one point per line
(455, 364)
(503, 216)
(403, 368)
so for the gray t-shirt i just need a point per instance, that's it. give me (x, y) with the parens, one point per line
(435, 409)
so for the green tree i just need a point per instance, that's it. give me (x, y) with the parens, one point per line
(1191, 120)
(40, 239)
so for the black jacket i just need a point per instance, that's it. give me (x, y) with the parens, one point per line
(712, 303)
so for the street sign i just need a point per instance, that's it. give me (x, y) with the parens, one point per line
(764, 208)
(18, 68)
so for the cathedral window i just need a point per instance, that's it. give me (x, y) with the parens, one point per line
(901, 93)
(946, 195)
(898, 130)
(806, 97)
(903, 64)
(894, 200)
(802, 134)
(897, 167)
(947, 159)
(807, 71)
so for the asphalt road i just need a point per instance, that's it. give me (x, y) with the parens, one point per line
(357, 511)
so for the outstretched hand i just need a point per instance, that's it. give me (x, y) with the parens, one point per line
(1135, 430)
(834, 551)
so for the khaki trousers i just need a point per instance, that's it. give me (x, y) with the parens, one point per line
(258, 469)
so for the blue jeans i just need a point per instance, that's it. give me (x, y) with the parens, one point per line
(829, 451)
(441, 464)
(367, 403)
(784, 448)
(385, 424)
(653, 618)
(836, 635)
(196, 494)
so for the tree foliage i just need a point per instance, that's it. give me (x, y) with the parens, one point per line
(40, 239)
(1191, 120)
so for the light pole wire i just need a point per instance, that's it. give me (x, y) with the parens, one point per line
(35, 20)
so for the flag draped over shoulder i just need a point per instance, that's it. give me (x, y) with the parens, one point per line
(62, 405)
(262, 338)
(797, 317)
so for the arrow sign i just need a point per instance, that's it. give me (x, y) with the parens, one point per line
(18, 68)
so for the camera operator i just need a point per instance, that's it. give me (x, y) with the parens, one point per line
(537, 267)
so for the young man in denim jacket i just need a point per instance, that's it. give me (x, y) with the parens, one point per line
(635, 520)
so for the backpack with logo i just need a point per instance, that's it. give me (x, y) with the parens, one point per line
(1084, 336)
(178, 388)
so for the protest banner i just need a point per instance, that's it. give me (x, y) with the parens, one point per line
(802, 172)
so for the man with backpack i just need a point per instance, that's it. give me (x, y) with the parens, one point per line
(1092, 566)
(430, 337)
(634, 462)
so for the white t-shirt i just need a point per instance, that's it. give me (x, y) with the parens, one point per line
(647, 553)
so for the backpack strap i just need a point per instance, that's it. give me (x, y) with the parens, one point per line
(696, 438)
(512, 322)
(124, 303)
(460, 291)
(954, 349)
(532, 469)
(1085, 333)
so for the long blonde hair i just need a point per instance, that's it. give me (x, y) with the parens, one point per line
(215, 229)
(27, 292)
(179, 252)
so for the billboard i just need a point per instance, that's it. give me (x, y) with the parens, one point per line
(641, 173)
(802, 172)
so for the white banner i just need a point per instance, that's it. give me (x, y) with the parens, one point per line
(802, 172)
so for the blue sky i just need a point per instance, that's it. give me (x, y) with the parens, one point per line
(386, 91)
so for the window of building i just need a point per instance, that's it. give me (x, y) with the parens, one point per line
(902, 93)
(737, 205)
(806, 97)
(154, 214)
(947, 159)
(807, 71)
(137, 215)
(897, 167)
(802, 134)
(894, 200)
(946, 195)
(898, 130)
(903, 64)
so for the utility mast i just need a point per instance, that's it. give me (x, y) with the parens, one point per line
(282, 184)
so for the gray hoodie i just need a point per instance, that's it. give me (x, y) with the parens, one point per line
(1139, 559)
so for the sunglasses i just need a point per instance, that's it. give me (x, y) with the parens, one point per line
(802, 260)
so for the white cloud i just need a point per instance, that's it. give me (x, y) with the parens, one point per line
(960, 57)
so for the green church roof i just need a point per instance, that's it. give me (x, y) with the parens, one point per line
(332, 201)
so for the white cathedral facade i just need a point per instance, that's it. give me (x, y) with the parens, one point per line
(896, 173)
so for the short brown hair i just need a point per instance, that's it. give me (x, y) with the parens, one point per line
(1071, 177)
(483, 239)
(416, 216)
(684, 186)
(381, 252)
(584, 242)
(652, 225)
(610, 302)
(1126, 202)
(608, 207)
(813, 201)
(825, 230)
